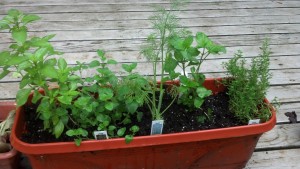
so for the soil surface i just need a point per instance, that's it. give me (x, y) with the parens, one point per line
(214, 111)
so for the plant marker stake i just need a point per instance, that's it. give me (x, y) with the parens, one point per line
(254, 121)
(157, 127)
(100, 135)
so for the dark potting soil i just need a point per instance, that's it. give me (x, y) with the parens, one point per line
(177, 119)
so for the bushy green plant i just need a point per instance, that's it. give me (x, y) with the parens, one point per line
(248, 85)
(102, 100)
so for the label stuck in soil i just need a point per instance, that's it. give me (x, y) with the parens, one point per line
(157, 127)
(100, 135)
(254, 121)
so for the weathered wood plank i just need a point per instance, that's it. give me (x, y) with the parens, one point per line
(288, 107)
(275, 159)
(96, 7)
(267, 12)
(281, 136)
(143, 33)
(92, 2)
(43, 25)
(283, 56)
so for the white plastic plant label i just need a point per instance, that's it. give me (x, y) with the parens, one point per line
(157, 127)
(254, 121)
(100, 135)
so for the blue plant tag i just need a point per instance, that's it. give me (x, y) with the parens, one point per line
(100, 135)
(157, 127)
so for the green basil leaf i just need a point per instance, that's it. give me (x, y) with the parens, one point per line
(22, 96)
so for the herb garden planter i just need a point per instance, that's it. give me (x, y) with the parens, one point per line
(216, 148)
(8, 160)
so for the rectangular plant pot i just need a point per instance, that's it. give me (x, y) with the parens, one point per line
(226, 148)
(11, 159)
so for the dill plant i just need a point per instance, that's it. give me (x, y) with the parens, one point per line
(248, 85)
(165, 24)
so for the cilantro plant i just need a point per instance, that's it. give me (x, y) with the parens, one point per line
(248, 85)
(185, 55)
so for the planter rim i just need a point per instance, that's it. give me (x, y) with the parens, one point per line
(140, 141)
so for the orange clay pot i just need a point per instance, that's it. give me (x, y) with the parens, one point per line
(8, 160)
(226, 148)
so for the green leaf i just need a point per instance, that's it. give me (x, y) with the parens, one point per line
(178, 56)
(198, 102)
(132, 107)
(24, 65)
(170, 64)
(109, 106)
(36, 96)
(48, 37)
(16, 60)
(134, 129)
(203, 92)
(193, 51)
(111, 61)
(128, 139)
(30, 18)
(22, 96)
(121, 131)
(4, 25)
(19, 34)
(40, 53)
(65, 99)
(94, 63)
(4, 73)
(101, 54)
(25, 81)
(216, 49)
(78, 141)
(50, 62)
(70, 133)
(202, 40)
(112, 128)
(13, 13)
(4, 57)
(188, 42)
(58, 129)
(177, 43)
(49, 71)
(62, 64)
(105, 94)
(129, 68)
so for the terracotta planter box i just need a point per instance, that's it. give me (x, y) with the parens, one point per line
(210, 149)
(8, 160)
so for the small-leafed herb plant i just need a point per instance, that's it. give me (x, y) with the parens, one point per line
(248, 85)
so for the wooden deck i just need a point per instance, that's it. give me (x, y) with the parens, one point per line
(121, 26)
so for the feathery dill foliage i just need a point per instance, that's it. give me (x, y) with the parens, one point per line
(249, 85)
(166, 25)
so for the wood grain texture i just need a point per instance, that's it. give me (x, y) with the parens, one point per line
(285, 135)
(278, 159)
